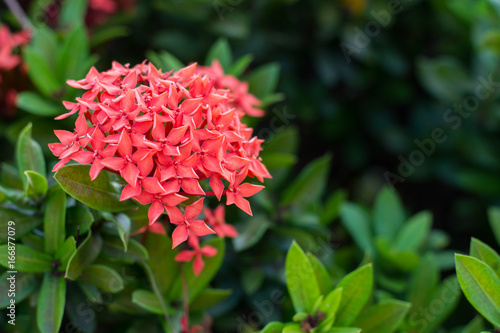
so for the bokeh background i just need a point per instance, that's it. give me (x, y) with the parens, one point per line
(361, 81)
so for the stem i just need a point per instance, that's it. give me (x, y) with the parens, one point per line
(158, 294)
(20, 15)
(185, 296)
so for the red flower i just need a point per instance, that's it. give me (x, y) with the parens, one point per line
(218, 223)
(166, 134)
(197, 253)
(185, 326)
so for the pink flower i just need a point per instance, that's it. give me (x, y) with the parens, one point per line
(197, 253)
(218, 223)
(167, 135)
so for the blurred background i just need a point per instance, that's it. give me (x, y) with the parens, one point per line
(398, 93)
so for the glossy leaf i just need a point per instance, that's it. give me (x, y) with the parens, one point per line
(29, 155)
(241, 65)
(41, 74)
(54, 219)
(402, 260)
(480, 285)
(51, 303)
(122, 223)
(331, 303)
(344, 330)
(164, 60)
(300, 279)
(26, 260)
(98, 194)
(273, 327)
(79, 219)
(357, 288)
(36, 185)
(147, 300)
(73, 12)
(104, 277)
(112, 249)
(388, 213)
(385, 317)
(423, 281)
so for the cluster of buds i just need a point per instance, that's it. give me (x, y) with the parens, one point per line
(167, 134)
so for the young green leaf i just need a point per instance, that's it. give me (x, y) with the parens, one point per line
(220, 51)
(300, 279)
(240, 65)
(414, 232)
(385, 317)
(480, 285)
(29, 154)
(51, 303)
(84, 256)
(357, 223)
(325, 282)
(36, 184)
(54, 219)
(494, 218)
(402, 260)
(273, 327)
(98, 194)
(357, 287)
(103, 277)
(331, 210)
(165, 61)
(112, 249)
(486, 254)
(331, 303)
(25, 259)
(388, 213)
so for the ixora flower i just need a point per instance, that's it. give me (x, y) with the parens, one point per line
(170, 136)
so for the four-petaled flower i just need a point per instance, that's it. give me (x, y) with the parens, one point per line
(216, 220)
(197, 253)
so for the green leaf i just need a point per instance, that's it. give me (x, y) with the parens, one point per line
(448, 296)
(292, 328)
(331, 303)
(480, 285)
(324, 280)
(79, 219)
(424, 280)
(388, 213)
(414, 232)
(332, 207)
(25, 285)
(65, 252)
(494, 218)
(51, 303)
(29, 154)
(73, 13)
(79, 311)
(273, 327)
(84, 256)
(103, 277)
(310, 184)
(252, 280)
(35, 104)
(486, 254)
(161, 260)
(196, 284)
(344, 330)
(263, 80)
(357, 287)
(122, 223)
(98, 194)
(402, 260)
(112, 249)
(74, 53)
(26, 259)
(357, 223)
(36, 184)
(147, 300)
(54, 219)
(41, 74)
(251, 232)
(23, 223)
(385, 317)
(475, 325)
(208, 298)
(220, 51)
(300, 280)
(240, 65)
(164, 60)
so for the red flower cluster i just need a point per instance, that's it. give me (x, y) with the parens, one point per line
(9, 60)
(165, 133)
